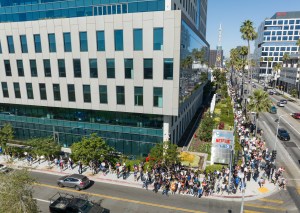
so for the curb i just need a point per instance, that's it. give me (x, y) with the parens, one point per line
(150, 187)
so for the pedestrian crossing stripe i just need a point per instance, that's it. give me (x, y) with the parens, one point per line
(272, 201)
(265, 207)
(250, 211)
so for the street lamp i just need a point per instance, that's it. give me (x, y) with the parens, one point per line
(278, 121)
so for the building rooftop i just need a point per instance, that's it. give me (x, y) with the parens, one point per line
(286, 15)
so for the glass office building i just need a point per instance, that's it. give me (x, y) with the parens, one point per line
(276, 36)
(70, 68)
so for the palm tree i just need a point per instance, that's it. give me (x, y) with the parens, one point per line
(276, 68)
(259, 102)
(248, 34)
(285, 58)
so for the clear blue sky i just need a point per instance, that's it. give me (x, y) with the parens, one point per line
(231, 14)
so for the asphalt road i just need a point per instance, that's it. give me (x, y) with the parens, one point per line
(130, 200)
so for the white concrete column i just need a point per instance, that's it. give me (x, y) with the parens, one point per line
(167, 127)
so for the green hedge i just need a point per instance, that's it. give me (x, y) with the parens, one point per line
(212, 168)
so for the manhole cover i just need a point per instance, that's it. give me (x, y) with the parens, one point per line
(290, 144)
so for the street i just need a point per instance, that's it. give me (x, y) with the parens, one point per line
(127, 199)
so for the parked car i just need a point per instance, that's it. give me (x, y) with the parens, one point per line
(271, 93)
(280, 104)
(296, 115)
(282, 134)
(76, 181)
(283, 101)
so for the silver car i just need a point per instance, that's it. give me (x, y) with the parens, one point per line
(76, 181)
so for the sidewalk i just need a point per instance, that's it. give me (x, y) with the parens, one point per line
(252, 191)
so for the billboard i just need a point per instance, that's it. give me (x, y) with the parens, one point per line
(222, 144)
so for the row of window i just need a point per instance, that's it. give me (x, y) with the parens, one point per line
(279, 22)
(281, 38)
(276, 53)
(290, 32)
(93, 67)
(279, 48)
(120, 93)
(83, 41)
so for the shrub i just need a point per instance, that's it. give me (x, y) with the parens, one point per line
(212, 168)
(221, 125)
(185, 156)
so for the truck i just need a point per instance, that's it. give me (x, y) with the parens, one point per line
(67, 203)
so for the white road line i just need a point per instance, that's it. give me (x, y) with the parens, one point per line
(46, 201)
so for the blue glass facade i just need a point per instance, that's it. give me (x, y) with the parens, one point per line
(119, 40)
(30, 10)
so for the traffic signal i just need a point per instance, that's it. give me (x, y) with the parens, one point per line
(274, 153)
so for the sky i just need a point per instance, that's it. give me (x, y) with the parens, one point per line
(232, 13)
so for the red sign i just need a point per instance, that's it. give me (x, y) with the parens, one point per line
(223, 140)
(281, 14)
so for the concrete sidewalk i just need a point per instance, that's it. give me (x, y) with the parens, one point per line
(252, 192)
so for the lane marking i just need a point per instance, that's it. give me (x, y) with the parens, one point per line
(250, 211)
(46, 201)
(272, 201)
(119, 199)
(265, 207)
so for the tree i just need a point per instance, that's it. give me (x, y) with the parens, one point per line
(259, 102)
(91, 148)
(44, 147)
(276, 68)
(285, 58)
(248, 34)
(203, 76)
(206, 127)
(187, 62)
(6, 134)
(16, 192)
(294, 93)
(165, 153)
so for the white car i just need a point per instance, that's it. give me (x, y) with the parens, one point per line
(280, 104)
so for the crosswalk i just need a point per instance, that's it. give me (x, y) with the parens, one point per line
(265, 205)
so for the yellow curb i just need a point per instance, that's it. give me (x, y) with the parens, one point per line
(272, 201)
(263, 190)
(250, 211)
(265, 207)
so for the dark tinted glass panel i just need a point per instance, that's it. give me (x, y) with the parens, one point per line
(128, 64)
(29, 90)
(5, 90)
(7, 67)
(17, 90)
(10, 43)
(148, 68)
(110, 68)
(158, 39)
(52, 43)
(71, 92)
(83, 41)
(120, 95)
(103, 94)
(100, 41)
(67, 42)
(20, 68)
(138, 96)
(168, 69)
(93, 68)
(23, 41)
(56, 92)
(138, 39)
(61, 67)
(77, 68)
(118, 40)
(43, 92)
(33, 68)
(86, 93)
(37, 43)
(157, 97)
(47, 68)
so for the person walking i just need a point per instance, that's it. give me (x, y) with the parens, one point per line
(79, 167)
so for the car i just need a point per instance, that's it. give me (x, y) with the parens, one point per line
(283, 101)
(271, 93)
(76, 181)
(254, 86)
(4, 169)
(276, 93)
(273, 110)
(282, 134)
(280, 104)
(296, 115)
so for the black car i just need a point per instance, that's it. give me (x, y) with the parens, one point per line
(283, 135)
(271, 93)
(283, 101)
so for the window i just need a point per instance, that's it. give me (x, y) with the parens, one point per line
(158, 39)
(29, 90)
(157, 97)
(10, 43)
(23, 41)
(103, 94)
(47, 68)
(118, 40)
(93, 68)
(83, 41)
(100, 41)
(137, 39)
(20, 68)
(5, 90)
(148, 68)
(0, 48)
(33, 69)
(110, 68)
(168, 69)
(43, 92)
(120, 95)
(77, 68)
(61, 68)
(7, 67)
(128, 64)
(37, 43)
(56, 92)
(86, 94)
(52, 44)
(138, 96)
(67, 42)
(71, 93)
(17, 90)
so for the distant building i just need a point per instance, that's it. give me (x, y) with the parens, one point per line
(276, 36)
(213, 57)
(290, 74)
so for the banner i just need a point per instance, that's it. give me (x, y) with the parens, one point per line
(222, 144)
